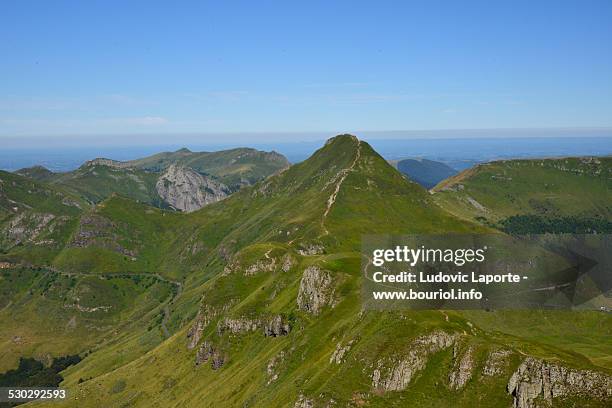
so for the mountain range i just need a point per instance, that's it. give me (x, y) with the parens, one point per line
(182, 180)
(254, 300)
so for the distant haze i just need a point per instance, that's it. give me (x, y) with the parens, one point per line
(227, 139)
(457, 148)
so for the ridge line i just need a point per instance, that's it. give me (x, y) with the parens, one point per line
(332, 198)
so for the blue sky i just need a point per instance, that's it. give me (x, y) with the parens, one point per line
(129, 67)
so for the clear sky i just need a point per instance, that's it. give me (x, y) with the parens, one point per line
(138, 67)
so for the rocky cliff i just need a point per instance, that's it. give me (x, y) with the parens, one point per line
(187, 190)
(536, 380)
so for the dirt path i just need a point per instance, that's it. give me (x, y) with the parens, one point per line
(343, 174)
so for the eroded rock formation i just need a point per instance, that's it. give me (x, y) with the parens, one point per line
(394, 374)
(187, 190)
(316, 290)
(536, 380)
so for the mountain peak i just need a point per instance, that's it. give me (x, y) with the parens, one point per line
(341, 138)
(183, 150)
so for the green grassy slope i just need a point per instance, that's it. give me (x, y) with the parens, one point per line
(45, 312)
(534, 196)
(36, 219)
(97, 182)
(242, 263)
(569, 188)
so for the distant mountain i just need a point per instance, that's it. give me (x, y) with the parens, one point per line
(39, 173)
(256, 301)
(427, 173)
(235, 167)
(198, 178)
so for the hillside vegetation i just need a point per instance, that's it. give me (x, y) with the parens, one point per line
(256, 301)
(181, 180)
(534, 196)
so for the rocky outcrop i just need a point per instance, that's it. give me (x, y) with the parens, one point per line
(187, 190)
(271, 368)
(496, 362)
(310, 249)
(208, 352)
(338, 355)
(287, 262)
(303, 402)
(316, 290)
(394, 374)
(462, 368)
(273, 326)
(537, 380)
(265, 264)
(277, 326)
(205, 315)
(238, 325)
(204, 353)
(262, 265)
(195, 332)
(218, 360)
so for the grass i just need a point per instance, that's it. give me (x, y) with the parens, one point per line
(130, 363)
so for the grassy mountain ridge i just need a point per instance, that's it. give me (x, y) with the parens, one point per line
(197, 177)
(233, 167)
(580, 188)
(269, 310)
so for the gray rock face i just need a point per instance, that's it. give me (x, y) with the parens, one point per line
(205, 315)
(303, 402)
(273, 326)
(396, 374)
(271, 368)
(204, 353)
(238, 325)
(340, 352)
(218, 360)
(262, 265)
(536, 379)
(187, 190)
(195, 332)
(316, 290)
(463, 367)
(287, 263)
(208, 351)
(276, 326)
(307, 249)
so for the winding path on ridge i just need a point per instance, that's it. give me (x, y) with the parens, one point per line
(343, 174)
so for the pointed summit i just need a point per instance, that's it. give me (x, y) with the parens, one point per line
(341, 138)
(343, 190)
